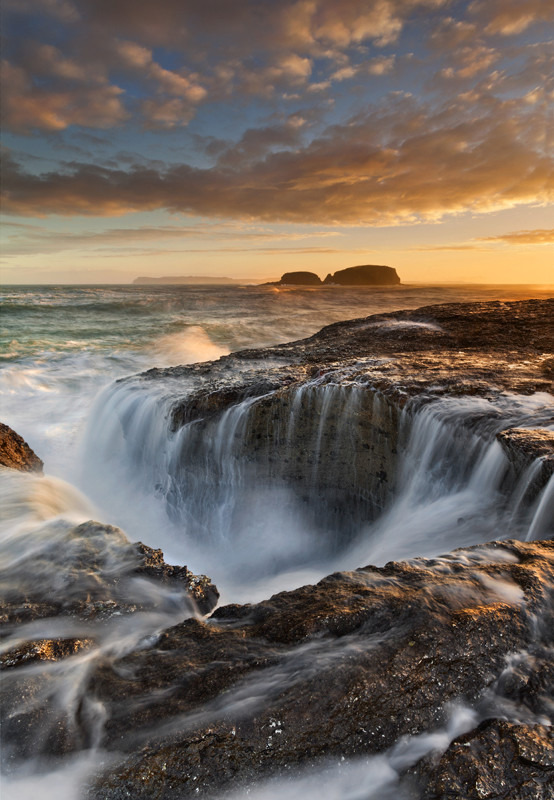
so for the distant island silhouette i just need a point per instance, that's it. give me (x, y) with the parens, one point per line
(363, 275)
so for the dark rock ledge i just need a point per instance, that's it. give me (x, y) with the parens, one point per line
(88, 572)
(454, 349)
(530, 449)
(344, 668)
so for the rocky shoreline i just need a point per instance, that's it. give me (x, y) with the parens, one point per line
(341, 669)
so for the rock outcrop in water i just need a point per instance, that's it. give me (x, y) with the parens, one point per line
(15, 453)
(298, 279)
(364, 275)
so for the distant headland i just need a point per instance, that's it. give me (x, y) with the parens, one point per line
(363, 275)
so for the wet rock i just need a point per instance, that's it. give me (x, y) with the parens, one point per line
(530, 449)
(64, 601)
(15, 453)
(324, 422)
(452, 349)
(497, 760)
(92, 571)
(43, 650)
(365, 275)
(152, 564)
(342, 668)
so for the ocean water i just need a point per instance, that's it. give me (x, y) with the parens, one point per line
(110, 455)
(64, 347)
(60, 345)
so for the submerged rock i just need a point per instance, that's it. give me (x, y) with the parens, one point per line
(339, 669)
(15, 453)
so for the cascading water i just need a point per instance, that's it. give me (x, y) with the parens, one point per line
(274, 492)
(326, 474)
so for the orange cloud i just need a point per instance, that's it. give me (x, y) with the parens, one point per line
(26, 106)
(401, 163)
(509, 17)
(538, 236)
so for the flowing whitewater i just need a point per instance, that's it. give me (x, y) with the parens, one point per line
(267, 493)
(311, 496)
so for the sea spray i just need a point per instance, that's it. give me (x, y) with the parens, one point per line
(312, 476)
(463, 491)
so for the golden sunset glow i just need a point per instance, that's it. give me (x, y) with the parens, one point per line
(245, 139)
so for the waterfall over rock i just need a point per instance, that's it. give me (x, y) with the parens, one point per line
(417, 443)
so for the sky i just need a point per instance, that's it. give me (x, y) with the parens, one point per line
(246, 138)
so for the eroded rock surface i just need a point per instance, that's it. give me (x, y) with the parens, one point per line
(530, 449)
(379, 366)
(15, 453)
(342, 668)
(455, 350)
(91, 571)
(497, 760)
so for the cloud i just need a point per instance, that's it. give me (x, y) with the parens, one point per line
(62, 10)
(510, 17)
(294, 25)
(538, 236)
(176, 93)
(31, 239)
(47, 60)
(446, 247)
(532, 237)
(382, 65)
(470, 60)
(27, 106)
(450, 33)
(256, 142)
(401, 162)
(170, 82)
(102, 63)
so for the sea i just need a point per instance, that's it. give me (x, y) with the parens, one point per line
(63, 350)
